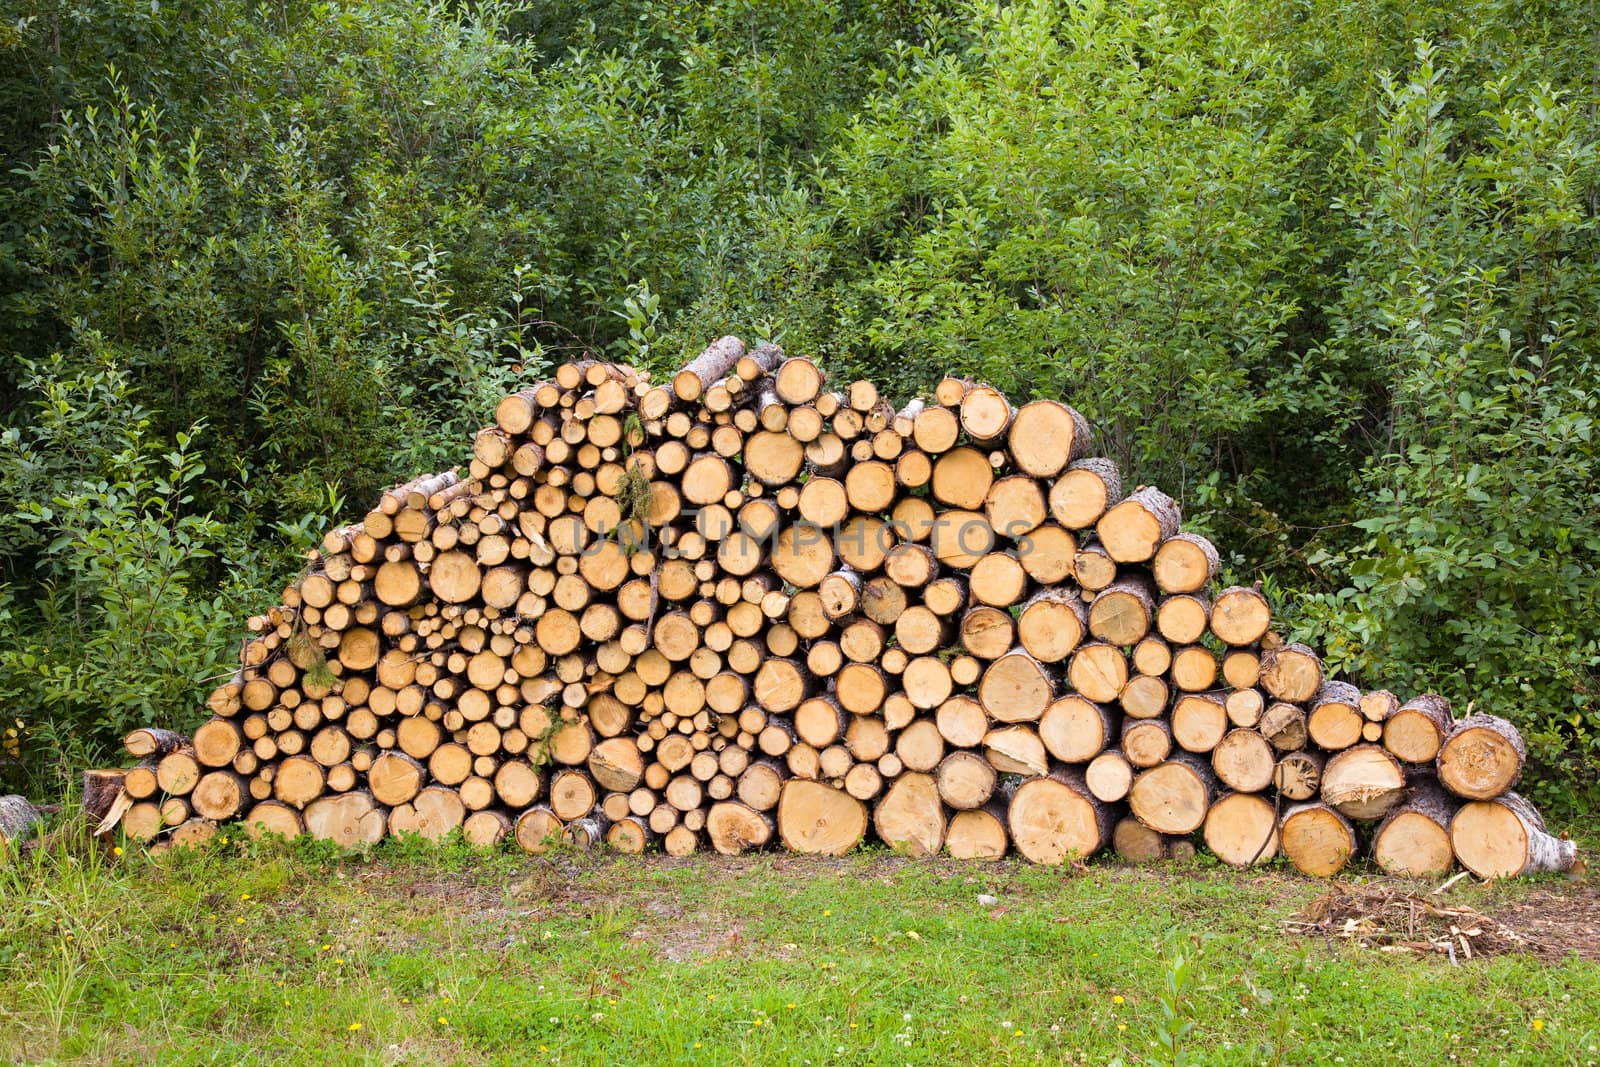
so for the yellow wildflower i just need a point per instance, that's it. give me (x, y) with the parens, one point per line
(355, 1026)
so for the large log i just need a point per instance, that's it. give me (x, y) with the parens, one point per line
(1505, 837)
(1481, 757)
(816, 818)
(1414, 839)
(1055, 817)
(1173, 797)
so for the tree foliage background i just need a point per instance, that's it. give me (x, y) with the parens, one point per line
(1327, 270)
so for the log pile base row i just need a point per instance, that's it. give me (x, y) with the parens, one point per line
(740, 610)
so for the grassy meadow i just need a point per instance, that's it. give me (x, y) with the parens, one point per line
(266, 953)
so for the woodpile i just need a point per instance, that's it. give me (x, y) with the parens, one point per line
(740, 610)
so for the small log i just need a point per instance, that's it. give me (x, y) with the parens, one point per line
(965, 780)
(1083, 492)
(1185, 563)
(734, 828)
(270, 817)
(349, 819)
(1109, 776)
(1298, 776)
(1072, 729)
(1174, 797)
(1123, 611)
(1416, 730)
(1363, 782)
(1045, 436)
(1293, 673)
(1284, 725)
(152, 741)
(1244, 762)
(978, 834)
(538, 830)
(432, 813)
(1016, 688)
(1137, 843)
(1335, 720)
(712, 365)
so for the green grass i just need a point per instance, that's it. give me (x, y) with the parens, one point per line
(290, 955)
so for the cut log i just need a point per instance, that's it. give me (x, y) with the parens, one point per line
(985, 413)
(1318, 840)
(1137, 843)
(1045, 436)
(1173, 797)
(1083, 492)
(1298, 776)
(1284, 725)
(395, 778)
(271, 817)
(1132, 530)
(1015, 750)
(487, 828)
(712, 365)
(1016, 688)
(1185, 563)
(1109, 776)
(1242, 829)
(219, 796)
(1291, 673)
(1146, 742)
(1123, 611)
(1244, 762)
(1363, 782)
(1505, 837)
(1055, 818)
(734, 828)
(911, 818)
(1240, 616)
(348, 819)
(979, 834)
(431, 814)
(538, 830)
(153, 741)
(1416, 730)
(817, 819)
(1199, 721)
(1414, 839)
(1481, 757)
(965, 780)
(1182, 618)
(1072, 729)
(1335, 719)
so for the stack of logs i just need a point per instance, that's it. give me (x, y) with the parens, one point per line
(738, 608)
